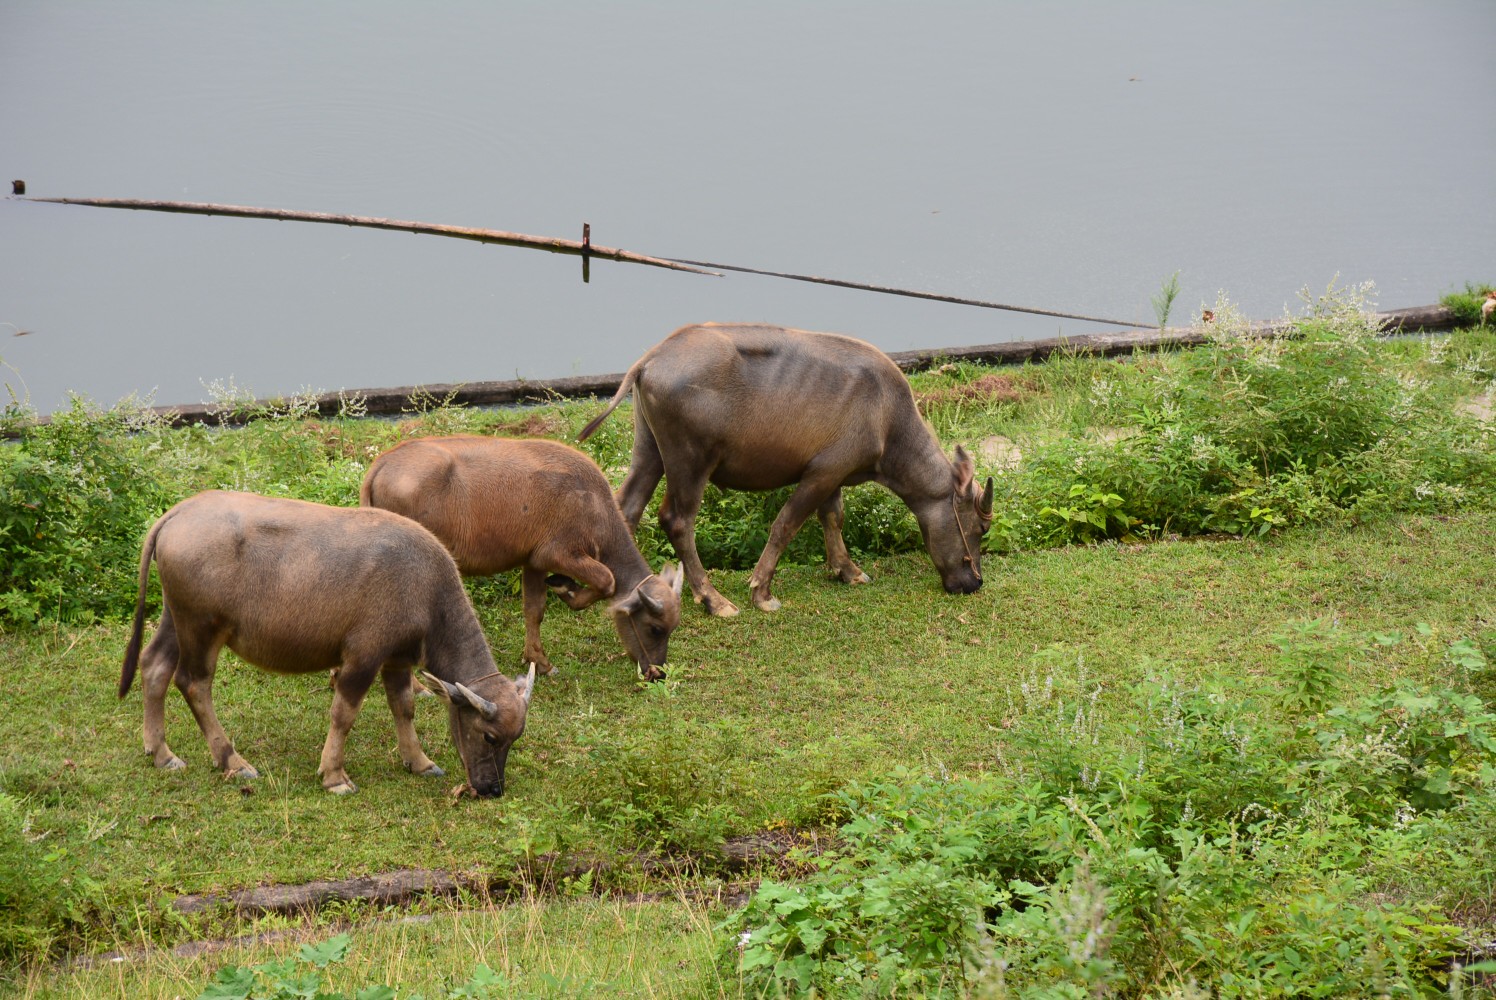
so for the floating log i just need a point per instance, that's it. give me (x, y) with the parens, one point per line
(521, 391)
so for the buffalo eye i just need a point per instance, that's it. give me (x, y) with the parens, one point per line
(656, 631)
(490, 739)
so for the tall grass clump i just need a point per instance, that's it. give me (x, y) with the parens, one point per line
(1466, 304)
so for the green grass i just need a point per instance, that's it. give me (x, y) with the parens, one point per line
(764, 716)
(844, 683)
(558, 949)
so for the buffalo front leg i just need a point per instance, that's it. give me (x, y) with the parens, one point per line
(197, 661)
(535, 590)
(157, 666)
(579, 580)
(645, 470)
(678, 518)
(837, 556)
(807, 497)
(399, 691)
(353, 683)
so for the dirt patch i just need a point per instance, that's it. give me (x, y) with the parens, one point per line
(986, 390)
(549, 425)
(1478, 407)
(998, 452)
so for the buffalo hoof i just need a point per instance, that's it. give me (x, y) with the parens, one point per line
(861, 578)
(245, 773)
(718, 606)
(767, 604)
(342, 788)
(434, 771)
(172, 763)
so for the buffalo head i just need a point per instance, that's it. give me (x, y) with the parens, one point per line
(954, 526)
(485, 720)
(645, 617)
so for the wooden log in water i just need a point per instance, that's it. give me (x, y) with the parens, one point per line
(398, 399)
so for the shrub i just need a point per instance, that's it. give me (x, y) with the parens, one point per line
(74, 505)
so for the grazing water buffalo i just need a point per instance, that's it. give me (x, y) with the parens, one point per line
(759, 407)
(295, 587)
(500, 503)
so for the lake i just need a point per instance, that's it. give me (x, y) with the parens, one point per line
(1064, 156)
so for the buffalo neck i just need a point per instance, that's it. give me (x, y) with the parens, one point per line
(457, 651)
(620, 554)
(913, 465)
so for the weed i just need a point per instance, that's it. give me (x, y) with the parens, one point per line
(1163, 302)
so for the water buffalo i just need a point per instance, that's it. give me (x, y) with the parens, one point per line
(295, 587)
(759, 407)
(499, 503)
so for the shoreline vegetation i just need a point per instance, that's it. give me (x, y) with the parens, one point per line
(1221, 723)
(520, 392)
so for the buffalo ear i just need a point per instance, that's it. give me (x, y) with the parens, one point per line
(963, 471)
(442, 689)
(673, 577)
(525, 686)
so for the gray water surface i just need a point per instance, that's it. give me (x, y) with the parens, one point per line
(1067, 156)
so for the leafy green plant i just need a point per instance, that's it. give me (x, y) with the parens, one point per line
(1090, 514)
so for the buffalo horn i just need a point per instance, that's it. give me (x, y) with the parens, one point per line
(985, 507)
(654, 604)
(484, 707)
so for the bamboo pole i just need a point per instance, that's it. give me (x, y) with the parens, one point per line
(579, 248)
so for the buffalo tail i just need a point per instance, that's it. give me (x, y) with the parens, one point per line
(132, 650)
(623, 390)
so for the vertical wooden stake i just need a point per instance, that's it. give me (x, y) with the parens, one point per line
(586, 252)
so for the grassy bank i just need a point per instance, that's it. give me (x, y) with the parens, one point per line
(1268, 693)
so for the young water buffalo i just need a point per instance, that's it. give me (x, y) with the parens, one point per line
(759, 407)
(500, 503)
(295, 587)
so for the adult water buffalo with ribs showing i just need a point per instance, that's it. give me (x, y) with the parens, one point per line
(498, 503)
(296, 587)
(760, 407)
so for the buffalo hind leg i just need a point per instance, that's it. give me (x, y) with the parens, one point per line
(678, 518)
(353, 683)
(837, 556)
(399, 691)
(808, 496)
(158, 664)
(197, 661)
